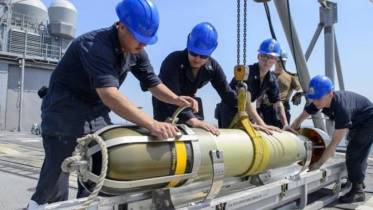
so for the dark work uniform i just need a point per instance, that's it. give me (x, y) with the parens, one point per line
(72, 107)
(176, 74)
(355, 112)
(225, 112)
(270, 116)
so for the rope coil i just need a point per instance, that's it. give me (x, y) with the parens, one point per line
(74, 163)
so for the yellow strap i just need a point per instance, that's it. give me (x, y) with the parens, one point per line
(181, 161)
(241, 100)
(261, 148)
(241, 108)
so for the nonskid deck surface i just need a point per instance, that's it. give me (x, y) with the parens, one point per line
(21, 157)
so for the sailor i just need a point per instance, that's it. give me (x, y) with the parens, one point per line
(288, 82)
(260, 81)
(186, 71)
(84, 88)
(352, 114)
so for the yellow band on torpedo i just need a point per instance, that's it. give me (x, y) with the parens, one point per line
(181, 161)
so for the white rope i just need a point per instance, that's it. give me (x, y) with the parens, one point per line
(68, 164)
(174, 118)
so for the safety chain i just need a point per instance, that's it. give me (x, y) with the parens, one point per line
(238, 31)
(244, 31)
(70, 164)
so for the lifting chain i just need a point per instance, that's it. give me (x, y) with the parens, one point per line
(239, 31)
(244, 31)
(241, 119)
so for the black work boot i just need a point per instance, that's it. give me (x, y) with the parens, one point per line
(356, 194)
(348, 184)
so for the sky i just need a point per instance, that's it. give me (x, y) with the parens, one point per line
(354, 32)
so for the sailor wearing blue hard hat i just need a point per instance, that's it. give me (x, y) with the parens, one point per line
(260, 81)
(352, 114)
(187, 71)
(288, 82)
(84, 88)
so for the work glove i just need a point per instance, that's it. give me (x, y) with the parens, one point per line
(297, 98)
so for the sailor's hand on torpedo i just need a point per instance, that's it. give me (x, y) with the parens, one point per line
(262, 128)
(290, 129)
(196, 123)
(268, 129)
(273, 128)
(188, 101)
(163, 130)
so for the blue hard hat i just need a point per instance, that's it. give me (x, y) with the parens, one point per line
(319, 86)
(203, 39)
(270, 47)
(141, 18)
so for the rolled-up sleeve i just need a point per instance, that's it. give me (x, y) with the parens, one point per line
(144, 72)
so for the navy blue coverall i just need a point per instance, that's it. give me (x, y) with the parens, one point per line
(176, 74)
(225, 112)
(355, 112)
(72, 107)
